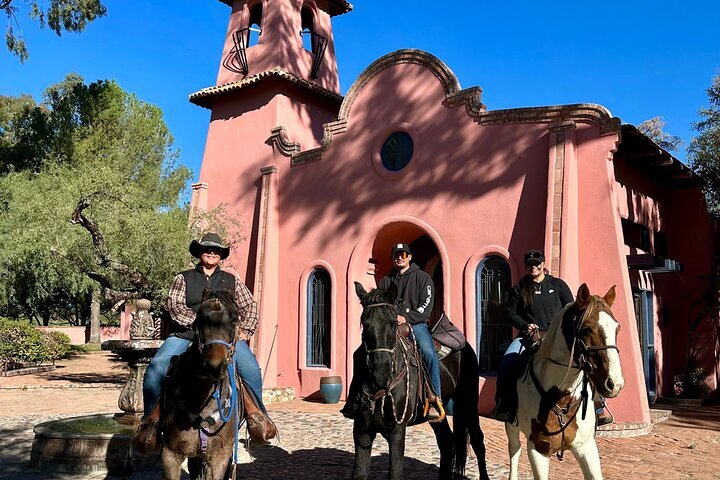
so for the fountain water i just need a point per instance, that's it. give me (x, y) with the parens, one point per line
(95, 443)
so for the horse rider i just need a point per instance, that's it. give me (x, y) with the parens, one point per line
(414, 304)
(183, 303)
(533, 302)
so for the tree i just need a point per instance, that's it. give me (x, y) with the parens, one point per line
(60, 16)
(93, 140)
(654, 129)
(704, 151)
(99, 204)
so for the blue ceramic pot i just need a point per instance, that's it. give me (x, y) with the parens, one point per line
(331, 389)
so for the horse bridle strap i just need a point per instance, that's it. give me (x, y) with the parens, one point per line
(383, 304)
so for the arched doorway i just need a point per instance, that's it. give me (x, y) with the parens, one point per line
(425, 255)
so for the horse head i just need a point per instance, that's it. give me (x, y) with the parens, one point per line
(590, 330)
(215, 327)
(379, 334)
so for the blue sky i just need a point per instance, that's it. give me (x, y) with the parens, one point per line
(637, 58)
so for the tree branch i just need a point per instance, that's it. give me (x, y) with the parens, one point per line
(102, 256)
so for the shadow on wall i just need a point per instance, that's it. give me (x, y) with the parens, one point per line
(457, 159)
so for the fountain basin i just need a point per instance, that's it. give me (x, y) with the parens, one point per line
(92, 443)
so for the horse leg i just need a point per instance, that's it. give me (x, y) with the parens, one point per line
(444, 439)
(514, 448)
(363, 438)
(195, 468)
(477, 440)
(172, 463)
(540, 463)
(589, 459)
(396, 444)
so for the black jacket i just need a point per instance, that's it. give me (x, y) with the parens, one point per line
(550, 296)
(416, 293)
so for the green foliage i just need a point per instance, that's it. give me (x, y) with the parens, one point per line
(59, 15)
(704, 151)
(21, 342)
(57, 344)
(93, 141)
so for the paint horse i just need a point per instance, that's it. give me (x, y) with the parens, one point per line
(578, 356)
(200, 402)
(391, 374)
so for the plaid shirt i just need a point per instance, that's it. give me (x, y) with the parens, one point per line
(182, 314)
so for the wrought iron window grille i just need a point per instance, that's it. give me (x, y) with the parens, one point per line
(236, 61)
(319, 45)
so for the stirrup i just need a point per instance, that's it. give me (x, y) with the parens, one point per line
(440, 409)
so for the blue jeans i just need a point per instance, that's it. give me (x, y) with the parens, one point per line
(510, 357)
(425, 344)
(245, 363)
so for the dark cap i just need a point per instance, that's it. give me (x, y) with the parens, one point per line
(401, 247)
(534, 256)
(209, 240)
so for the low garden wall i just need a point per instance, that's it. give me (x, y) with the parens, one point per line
(81, 335)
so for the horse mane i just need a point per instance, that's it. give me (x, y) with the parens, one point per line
(219, 300)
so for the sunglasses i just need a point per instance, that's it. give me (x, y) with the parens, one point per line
(216, 251)
(400, 254)
(532, 263)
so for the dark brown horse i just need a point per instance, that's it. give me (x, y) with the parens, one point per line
(200, 403)
(390, 376)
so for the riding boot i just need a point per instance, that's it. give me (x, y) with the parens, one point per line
(602, 418)
(260, 428)
(505, 400)
(353, 403)
(147, 438)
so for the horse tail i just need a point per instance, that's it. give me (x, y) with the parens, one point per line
(466, 421)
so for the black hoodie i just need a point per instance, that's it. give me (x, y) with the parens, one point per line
(415, 293)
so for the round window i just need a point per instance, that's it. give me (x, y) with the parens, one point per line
(397, 151)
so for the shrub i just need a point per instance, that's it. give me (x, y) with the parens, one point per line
(21, 342)
(57, 344)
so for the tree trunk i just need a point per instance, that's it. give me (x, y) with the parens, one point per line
(46, 318)
(95, 317)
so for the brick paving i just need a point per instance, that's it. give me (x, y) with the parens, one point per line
(316, 442)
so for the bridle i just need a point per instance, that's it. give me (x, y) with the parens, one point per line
(380, 394)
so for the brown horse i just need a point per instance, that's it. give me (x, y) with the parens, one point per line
(200, 403)
(390, 378)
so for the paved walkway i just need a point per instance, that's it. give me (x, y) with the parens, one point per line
(316, 442)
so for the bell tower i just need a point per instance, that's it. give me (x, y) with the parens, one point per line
(276, 87)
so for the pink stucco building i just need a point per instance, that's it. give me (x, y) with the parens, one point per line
(326, 183)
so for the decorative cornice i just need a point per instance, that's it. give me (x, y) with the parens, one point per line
(580, 112)
(205, 97)
(278, 136)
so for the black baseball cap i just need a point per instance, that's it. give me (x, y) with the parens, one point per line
(401, 247)
(534, 256)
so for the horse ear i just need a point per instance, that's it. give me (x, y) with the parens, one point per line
(391, 293)
(360, 291)
(582, 299)
(610, 296)
(206, 294)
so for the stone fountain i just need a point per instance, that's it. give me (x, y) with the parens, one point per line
(103, 443)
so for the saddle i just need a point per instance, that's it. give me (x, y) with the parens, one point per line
(447, 338)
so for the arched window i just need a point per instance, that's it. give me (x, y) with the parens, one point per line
(318, 319)
(492, 280)
(255, 24)
(307, 29)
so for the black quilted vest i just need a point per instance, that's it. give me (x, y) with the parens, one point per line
(195, 282)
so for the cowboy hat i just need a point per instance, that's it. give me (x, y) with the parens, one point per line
(212, 240)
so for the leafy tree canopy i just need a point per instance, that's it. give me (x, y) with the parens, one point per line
(59, 15)
(95, 154)
(704, 151)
